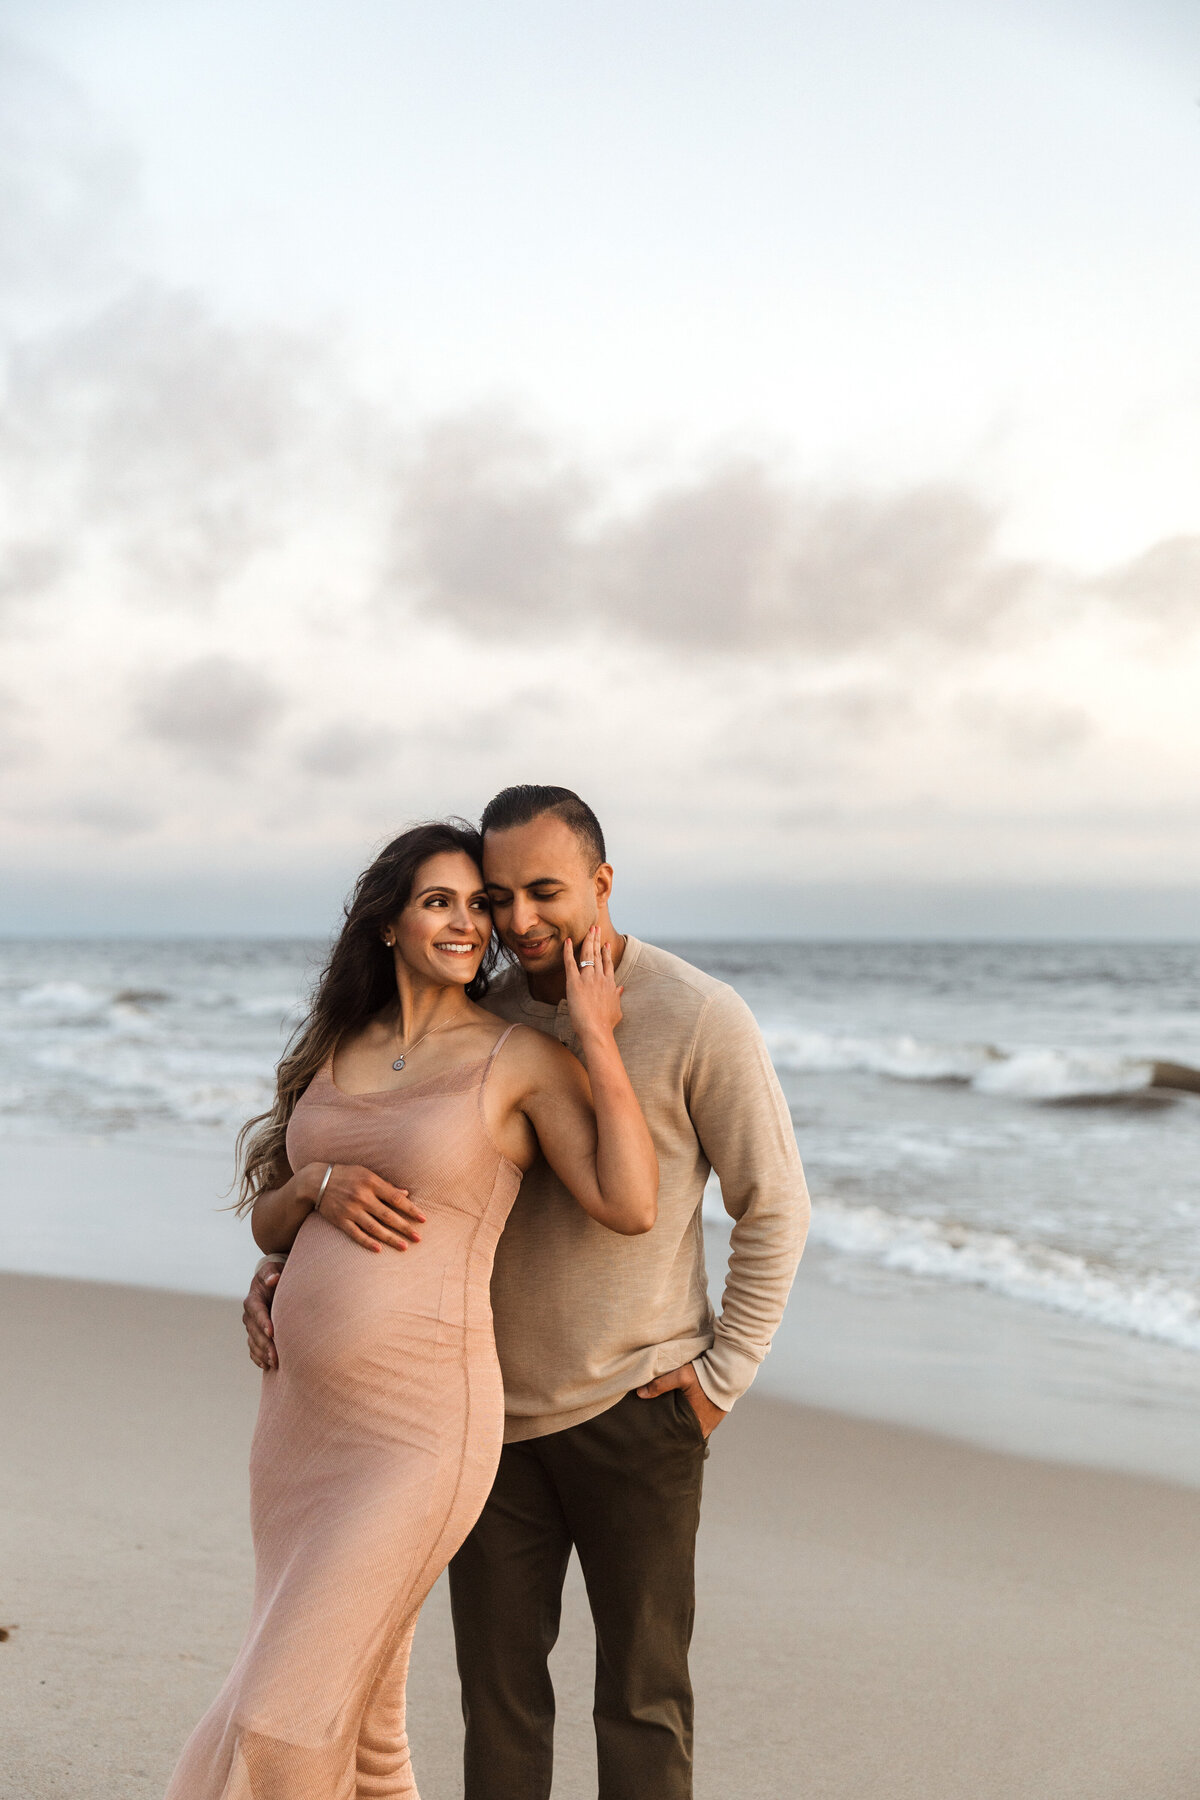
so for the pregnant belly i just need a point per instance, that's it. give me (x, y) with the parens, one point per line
(359, 1329)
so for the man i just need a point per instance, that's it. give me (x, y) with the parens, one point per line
(615, 1371)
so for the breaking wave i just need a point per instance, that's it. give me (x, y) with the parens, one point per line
(1039, 1074)
(120, 1057)
(1147, 1306)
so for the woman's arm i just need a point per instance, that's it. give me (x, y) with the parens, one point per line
(364, 1206)
(278, 1212)
(589, 1123)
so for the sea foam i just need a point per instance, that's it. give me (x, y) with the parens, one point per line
(1037, 1073)
(1146, 1305)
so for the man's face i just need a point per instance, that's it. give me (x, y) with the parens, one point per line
(541, 889)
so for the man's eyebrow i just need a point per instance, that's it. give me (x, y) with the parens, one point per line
(538, 881)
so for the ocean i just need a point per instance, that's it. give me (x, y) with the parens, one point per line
(977, 1114)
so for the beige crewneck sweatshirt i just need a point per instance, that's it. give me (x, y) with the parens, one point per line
(582, 1314)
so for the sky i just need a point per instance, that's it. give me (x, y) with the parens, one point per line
(779, 422)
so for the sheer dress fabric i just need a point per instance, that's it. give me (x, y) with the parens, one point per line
(376, 1445)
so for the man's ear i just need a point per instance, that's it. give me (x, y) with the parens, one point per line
(604, 881)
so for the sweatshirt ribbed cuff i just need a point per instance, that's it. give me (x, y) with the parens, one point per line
(275, 1259)
(725, 1373)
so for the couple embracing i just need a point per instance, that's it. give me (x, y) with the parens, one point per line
(460, 1373)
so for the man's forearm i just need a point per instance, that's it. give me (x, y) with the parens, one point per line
(745, 1126)
(765, 1249)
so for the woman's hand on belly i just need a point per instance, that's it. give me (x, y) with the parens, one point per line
(369, 1209)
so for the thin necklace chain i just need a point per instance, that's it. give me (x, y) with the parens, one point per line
(405, 1054)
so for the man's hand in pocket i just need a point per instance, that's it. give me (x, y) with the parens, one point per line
(710, 1416)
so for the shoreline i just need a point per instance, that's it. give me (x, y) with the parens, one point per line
(882, 1613)
(984, 1369)
(959, 1361)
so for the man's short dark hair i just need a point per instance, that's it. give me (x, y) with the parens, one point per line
(518, 805)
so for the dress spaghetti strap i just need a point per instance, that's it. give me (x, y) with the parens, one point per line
(483, 1079)
(497, 1047)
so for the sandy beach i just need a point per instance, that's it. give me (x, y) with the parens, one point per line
(883, 1612)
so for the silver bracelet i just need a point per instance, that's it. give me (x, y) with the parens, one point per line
(321, 1189)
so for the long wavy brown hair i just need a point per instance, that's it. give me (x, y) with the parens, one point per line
(357, 982)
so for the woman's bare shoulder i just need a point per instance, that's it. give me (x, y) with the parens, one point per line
(527, 1043)
(537, 1056)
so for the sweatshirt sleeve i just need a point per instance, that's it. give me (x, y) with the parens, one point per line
(745, 1129)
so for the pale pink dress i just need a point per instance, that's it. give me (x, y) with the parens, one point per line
(376, 1445)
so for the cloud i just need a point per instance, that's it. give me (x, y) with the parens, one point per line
(520, 717)
(344, 748)
(740, 561)
(488, 527)
(1025, 729)
(702, 564)
(813, 738)
(149, 448)
(1162, 585)
(17, 748)
(212, 710)
(107, 815)
(174, 446)
(170, 458)
(498, 532)
(335, 613)
(28, 569)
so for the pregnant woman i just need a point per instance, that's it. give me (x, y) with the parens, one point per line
(404, 1117)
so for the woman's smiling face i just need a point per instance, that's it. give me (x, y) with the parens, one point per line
(446, 926)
